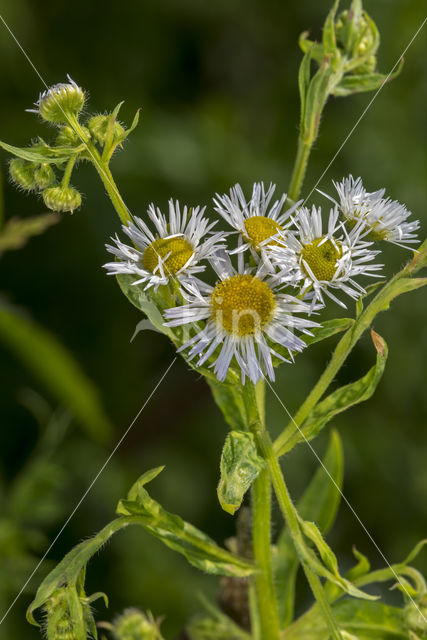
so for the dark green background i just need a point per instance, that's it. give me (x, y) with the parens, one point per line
(217, 87)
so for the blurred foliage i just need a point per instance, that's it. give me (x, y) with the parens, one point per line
(218, 88)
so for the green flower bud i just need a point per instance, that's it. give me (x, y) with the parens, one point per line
(98, 126)
(59, 625)
(44, 176)
(415, 617)
(67, 137)
(135, 625)
(22, 173)
(62, 198)
(60, 101)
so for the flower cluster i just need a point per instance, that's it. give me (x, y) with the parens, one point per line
(288, 259)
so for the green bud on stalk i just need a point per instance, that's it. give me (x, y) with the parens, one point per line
(62, 198)
(22, 173)
(61, 102)
(98, 126)
(44, 176)
(67, 137)
(135, 625)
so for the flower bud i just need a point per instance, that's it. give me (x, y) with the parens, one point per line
(44, 176)
(135, 625)
(416, 616)
(67, 137)
(22, 173)
(357, 36)
(62, 198)
(98, 126)
(61, 101)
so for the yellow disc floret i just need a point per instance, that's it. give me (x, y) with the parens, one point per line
(260, 228)
(173, 253)
(322, 258)
(242, 305)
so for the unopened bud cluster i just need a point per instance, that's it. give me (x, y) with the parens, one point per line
(135, 625)
(63, 105)
(357, 37)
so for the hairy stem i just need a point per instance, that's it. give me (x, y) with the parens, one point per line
(291, 518)
(300, 167)
(104, 173)
(267, 609)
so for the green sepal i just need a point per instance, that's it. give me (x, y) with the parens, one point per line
(365, 82)
(341, 399)
(319, 503)
(200, 550)
(240, 465)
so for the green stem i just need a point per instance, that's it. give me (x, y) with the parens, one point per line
(261, 531)
(300, 167)
(342, 351)
(267, 609)
(104, 173)
(291, 518)
(68, 171)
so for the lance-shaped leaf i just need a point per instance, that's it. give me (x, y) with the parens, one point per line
(200, 550)
(229, 399)
(319, 503)
(364, 82)
(40, 154)
(327, 329)
(328, 38)
(56, 368)
(240, 465)
(303, 83)
(341, 399)
(16, 231)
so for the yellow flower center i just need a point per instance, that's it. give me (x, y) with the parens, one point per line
(260, 228)
(178, 251)
(322, 258)
(242, 305)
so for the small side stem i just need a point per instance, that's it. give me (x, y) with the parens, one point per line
(300, 167)
(68, 171)
(104, 173)
(290, 515)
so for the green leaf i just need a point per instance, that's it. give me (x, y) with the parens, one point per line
(200, 550)
(319, 503)
(144, 302)
(317, 95)
(341, 399)
(56, 368)
(16, 232)
(327, 329)
(42, 154)
(230, 401)
(240, 465)
(133, 126)
(303, 83)
(328, 39)
(316, 49)
(365, 82)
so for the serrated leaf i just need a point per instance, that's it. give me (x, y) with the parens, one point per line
(17, 231)
(200, 550)
(43, 155)
(319, 503)
(340, 400)
(55, 367)
(240, 465)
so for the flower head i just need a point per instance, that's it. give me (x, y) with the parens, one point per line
(384, 218)
(57, 103)
(256, 221)
(245, 319)
(174, 250)
(319, 261)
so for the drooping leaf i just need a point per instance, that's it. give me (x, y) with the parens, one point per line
(200, 550)
(319, 503)
(240, 465)
(56, 368)
(340, 400)
(17, 231)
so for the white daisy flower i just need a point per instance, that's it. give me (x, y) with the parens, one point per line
(322, 261)
(174, 250)
(385, 218)
(256, 221)
(245, 317)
